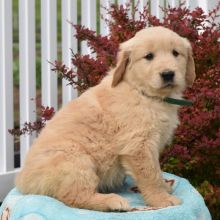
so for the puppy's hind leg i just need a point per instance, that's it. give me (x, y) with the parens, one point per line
(79, 189)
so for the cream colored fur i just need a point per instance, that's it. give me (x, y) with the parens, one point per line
(113, 129)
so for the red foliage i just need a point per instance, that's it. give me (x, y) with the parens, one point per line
(29, 127)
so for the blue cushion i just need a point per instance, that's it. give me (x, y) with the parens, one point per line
(36, 207)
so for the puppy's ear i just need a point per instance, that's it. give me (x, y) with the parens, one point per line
(190, 66)
(119, 71)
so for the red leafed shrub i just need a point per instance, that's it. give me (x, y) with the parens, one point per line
(195, 152)
(45, 114)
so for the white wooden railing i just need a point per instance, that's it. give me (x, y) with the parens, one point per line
(48, 53)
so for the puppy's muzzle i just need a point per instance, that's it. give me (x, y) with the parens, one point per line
(167, 76)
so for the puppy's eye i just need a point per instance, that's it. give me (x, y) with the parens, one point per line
(149, 56)
(175, 53)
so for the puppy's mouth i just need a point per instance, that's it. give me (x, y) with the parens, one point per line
(168, 85)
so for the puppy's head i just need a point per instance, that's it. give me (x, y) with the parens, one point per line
(157, 61)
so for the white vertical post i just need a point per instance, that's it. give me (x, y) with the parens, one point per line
(88, 19)
(156, 8)
(48, 52)
(6, 87)
(27, 70)
(207, 5)
(141, 5)
(172, 3)
(104, 30)
(204, 5)
(124, 2)
(69, 13)
(191, 4)
(210, 5)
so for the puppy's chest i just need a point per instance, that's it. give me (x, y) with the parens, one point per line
(158, 126)
(166, 127)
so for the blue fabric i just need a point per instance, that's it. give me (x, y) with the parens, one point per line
(36, 207)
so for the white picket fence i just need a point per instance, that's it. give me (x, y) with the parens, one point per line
(27, 63)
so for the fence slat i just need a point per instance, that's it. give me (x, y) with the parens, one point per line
(172, 3)
(48, 52)
(27, 70)
(141, 4)
(140, 7)
(69, 13)
(88, 19)
(211, 5)
(204, 5)
(208, 5)
(191, 4)
(155, 8)
(104, 30)
(6, 87)
(123, 2)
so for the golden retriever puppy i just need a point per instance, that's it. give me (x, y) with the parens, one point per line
(116, 128)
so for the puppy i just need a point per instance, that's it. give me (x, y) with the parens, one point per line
(115, 129)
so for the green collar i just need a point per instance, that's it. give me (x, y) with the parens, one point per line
(181, 102)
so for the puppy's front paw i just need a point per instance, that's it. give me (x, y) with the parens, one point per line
(163, 201)
(117, 203)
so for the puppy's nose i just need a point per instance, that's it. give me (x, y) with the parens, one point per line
(167, 76)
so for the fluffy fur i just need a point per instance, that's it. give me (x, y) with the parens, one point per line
(113, 129)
